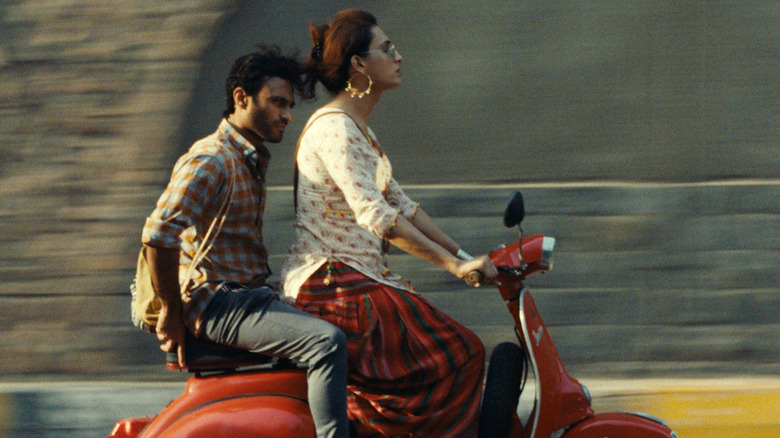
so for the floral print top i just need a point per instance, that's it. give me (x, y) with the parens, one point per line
(347, 202)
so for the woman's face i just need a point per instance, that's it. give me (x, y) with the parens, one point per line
(383, 61)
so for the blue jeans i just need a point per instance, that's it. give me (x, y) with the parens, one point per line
(256, 320)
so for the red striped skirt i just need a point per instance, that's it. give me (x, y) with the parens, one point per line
(413, 371)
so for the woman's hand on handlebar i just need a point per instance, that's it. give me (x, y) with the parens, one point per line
(482, 265)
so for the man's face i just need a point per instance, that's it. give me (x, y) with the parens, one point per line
(270, 110)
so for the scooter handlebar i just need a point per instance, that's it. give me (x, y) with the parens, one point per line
(474, 277)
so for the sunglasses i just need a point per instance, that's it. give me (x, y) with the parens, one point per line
(389, 51)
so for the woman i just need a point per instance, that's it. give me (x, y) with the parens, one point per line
(413, 371)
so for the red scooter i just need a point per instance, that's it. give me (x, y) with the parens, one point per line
(562, 405)
(234, 393)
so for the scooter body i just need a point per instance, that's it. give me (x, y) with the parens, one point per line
(232, 393)
(561, 404)
(236, 393)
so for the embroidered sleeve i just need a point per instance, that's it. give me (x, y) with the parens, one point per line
(195, 180)
(400, 201)
(352, 163)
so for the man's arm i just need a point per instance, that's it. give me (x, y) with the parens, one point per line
(164, 267)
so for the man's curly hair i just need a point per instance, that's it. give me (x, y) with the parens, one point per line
(250, 72)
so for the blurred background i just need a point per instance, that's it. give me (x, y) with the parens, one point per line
(644, 136)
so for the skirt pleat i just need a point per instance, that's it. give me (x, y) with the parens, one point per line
(413, 370)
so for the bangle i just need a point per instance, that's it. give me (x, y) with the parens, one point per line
(414, 212)
(391, 228)
(463, 255)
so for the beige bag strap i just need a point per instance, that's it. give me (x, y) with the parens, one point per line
(215, 228)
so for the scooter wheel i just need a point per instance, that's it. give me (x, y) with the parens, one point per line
(502, 390)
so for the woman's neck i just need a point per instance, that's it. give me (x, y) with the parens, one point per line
(358, 109)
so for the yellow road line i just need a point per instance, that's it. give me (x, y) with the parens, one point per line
(712, 408)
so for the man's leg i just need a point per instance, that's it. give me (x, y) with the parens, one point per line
(255, 320)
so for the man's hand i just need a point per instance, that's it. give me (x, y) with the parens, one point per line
(164, 268)
(171, 332)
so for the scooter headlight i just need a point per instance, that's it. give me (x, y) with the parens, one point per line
(586, 391)
(546, 262)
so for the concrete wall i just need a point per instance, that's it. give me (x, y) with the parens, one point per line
(667, 262)
(90, 99)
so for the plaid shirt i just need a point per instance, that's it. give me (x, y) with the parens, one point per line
(187, 208)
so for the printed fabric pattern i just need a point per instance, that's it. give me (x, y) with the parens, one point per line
(347, 202)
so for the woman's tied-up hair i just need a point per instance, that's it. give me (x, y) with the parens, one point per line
(316, 52)
(334, 44)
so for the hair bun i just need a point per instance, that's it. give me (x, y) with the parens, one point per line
(316, 52)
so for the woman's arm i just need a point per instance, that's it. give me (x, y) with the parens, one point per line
(411, 239)
(412, 211)
(425, 224)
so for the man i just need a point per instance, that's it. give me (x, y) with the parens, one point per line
(223, 297)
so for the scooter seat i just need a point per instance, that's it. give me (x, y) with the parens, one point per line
(203, 355)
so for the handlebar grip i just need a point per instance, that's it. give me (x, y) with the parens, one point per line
(474, 277)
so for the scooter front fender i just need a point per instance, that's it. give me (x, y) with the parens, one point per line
(620, 424)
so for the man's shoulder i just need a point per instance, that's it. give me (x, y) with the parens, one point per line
(216, 145)
(214, 151)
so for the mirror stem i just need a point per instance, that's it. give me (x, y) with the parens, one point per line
(520, 249)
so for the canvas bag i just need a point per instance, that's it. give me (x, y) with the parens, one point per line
(145, 305)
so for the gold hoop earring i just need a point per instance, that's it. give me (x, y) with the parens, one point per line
(353, 92)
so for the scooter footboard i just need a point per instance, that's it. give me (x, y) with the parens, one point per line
(620, 424)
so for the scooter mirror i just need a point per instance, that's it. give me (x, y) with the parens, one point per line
(515, 211)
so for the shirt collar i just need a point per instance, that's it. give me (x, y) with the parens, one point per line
(256, 157)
